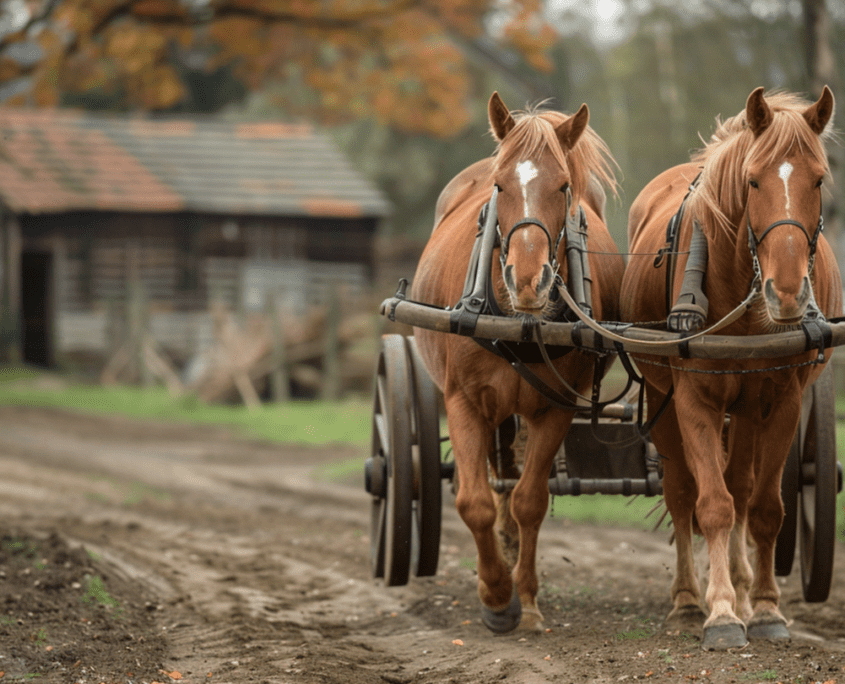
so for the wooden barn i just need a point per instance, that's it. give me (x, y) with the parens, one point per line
(189, 211)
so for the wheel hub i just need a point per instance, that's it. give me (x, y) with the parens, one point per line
(375, 476)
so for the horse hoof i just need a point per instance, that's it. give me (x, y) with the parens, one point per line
(503, 621)
(776, 631)
(723, 637)
(686, 619)
(531, 620)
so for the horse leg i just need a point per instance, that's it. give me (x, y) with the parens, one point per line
(472, 442)
(511, 447)
(529, 503)
(679, 493)
(701, 432)
(741, 573)
(765, 516)
(739, 480)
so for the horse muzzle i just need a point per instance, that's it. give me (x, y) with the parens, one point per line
(787, 308)
(529, 294)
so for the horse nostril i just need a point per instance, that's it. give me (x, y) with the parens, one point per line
(806, 291)
(769, 292)
(545, 279)
(509, 281)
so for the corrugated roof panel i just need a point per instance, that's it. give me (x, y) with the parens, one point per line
(52, 160)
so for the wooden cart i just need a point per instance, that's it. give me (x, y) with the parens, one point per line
(405, 470)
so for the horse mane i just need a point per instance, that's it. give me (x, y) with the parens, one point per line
(722, 190)
(534, 131)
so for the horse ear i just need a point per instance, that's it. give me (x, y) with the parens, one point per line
(501, 121)
(757, 112)
(571, 129)
(819, 114)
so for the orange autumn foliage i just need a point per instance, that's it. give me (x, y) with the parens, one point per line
(398, 61)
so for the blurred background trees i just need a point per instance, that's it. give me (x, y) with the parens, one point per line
(403, 84)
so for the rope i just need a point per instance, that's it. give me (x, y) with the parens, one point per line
(732, 316)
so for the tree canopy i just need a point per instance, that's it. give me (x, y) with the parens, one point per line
(402, 63)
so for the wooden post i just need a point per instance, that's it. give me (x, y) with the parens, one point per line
(330, 389)
(279, 376)
(10, 303)
(137, 309)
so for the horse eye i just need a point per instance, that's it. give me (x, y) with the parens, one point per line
(819, 182)
(753, 184)
(564, 187)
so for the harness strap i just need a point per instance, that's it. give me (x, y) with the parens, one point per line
(817, 331)
(670, 249)
(690, 310)
(577, 261)
(465, 315)
(503, 349)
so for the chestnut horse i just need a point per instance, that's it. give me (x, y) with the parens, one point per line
(758, 201)
(542, 158)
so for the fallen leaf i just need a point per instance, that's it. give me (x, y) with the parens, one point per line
(458, 642)
(649, 673)
(172, 675)
(548, 657)
(48, 648)
(467, 622)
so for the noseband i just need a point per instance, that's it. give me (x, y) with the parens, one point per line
(754, 241)
(553, 244)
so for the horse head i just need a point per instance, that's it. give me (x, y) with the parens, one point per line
(536, 189)
(783, 209)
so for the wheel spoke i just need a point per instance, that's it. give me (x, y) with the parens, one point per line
(381, 431)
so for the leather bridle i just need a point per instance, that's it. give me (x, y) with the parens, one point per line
(754, 241)
(553, 244)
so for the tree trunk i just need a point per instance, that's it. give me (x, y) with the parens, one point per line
(821, 71)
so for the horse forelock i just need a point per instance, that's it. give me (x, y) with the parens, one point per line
(722, 191)
(534, 133)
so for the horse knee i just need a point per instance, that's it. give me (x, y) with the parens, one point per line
(477, 512)
(765, 518)
(714, 514)
(529, 509)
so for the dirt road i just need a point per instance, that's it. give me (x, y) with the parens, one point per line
(227, 560)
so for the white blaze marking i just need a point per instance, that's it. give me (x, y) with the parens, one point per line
(785, 171)
(526, 172)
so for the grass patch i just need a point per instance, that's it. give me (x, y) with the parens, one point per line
(764, 676)
(297, 422)
(643, 631)
(95, 592)
(605, 509)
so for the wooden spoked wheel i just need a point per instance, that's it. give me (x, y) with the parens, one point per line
(425, 452)
(389, 470)
(818, 488)
(403, 471)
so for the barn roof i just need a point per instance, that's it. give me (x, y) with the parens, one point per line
(55, 160)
